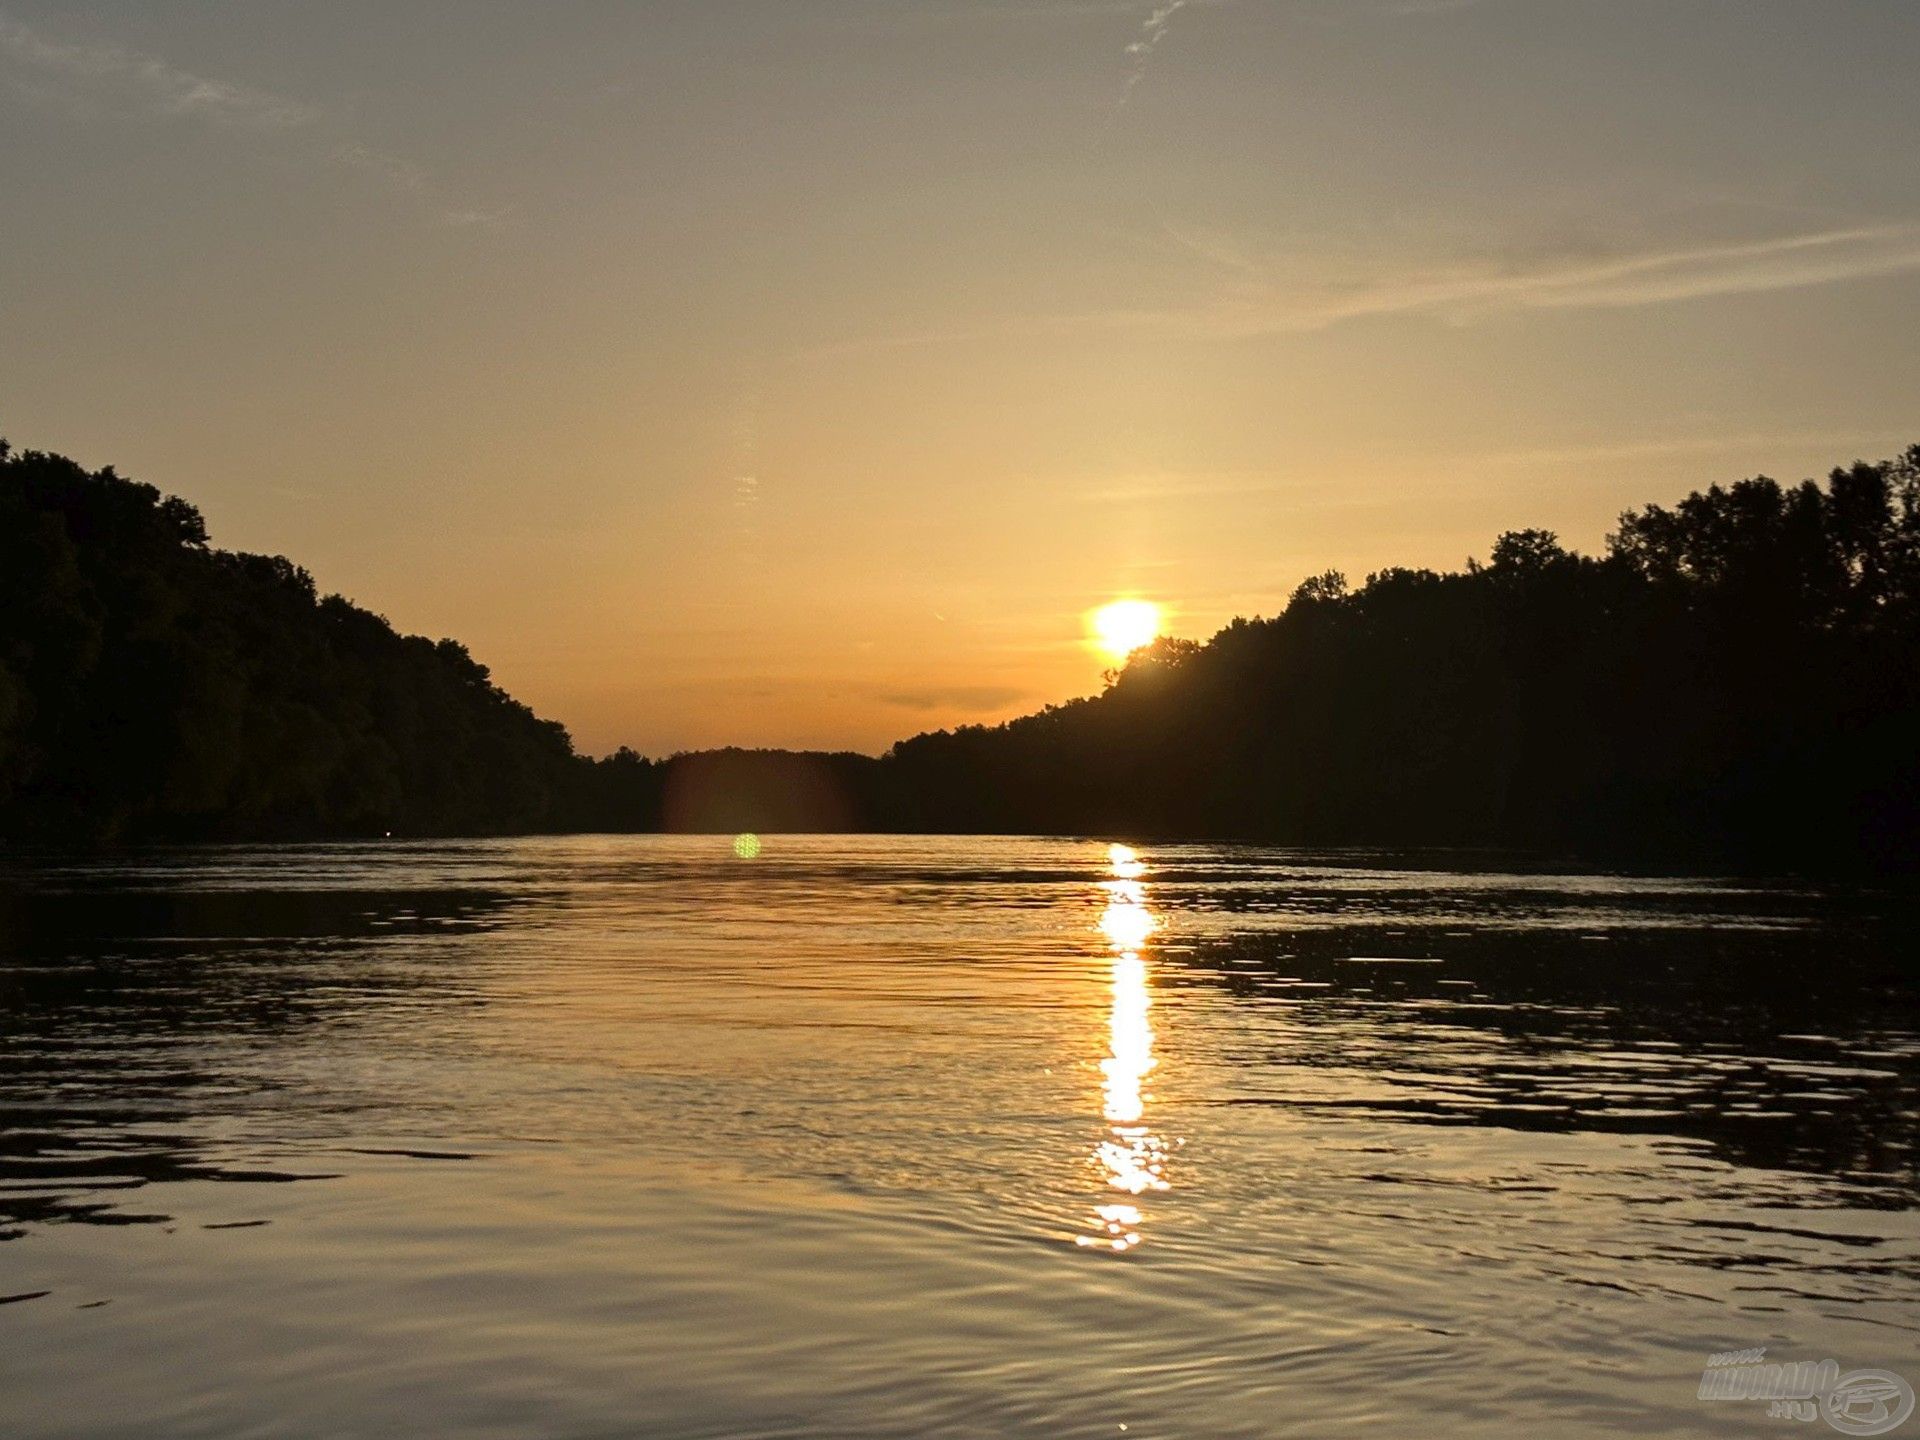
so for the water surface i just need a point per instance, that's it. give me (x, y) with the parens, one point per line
(883, 1136)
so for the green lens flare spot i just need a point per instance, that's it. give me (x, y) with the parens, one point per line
(746, 846)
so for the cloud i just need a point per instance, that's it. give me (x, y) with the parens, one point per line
(1310, 293)
(951, 697)
(404, 177)
(1140, 52)
(163, 90)
(160, 87)
(1243, 295)
(1153, 29)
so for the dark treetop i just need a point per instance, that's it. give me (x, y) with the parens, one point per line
(1736, 679)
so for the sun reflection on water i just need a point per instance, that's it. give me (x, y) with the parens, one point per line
(1131, 1156)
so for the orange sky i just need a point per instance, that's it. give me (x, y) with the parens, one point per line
(799, 374)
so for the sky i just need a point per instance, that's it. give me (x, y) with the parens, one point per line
(799, 372)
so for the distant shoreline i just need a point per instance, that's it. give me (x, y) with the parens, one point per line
(1734, 685)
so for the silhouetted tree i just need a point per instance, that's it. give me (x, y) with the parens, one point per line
(153, 686)
(1737, 677)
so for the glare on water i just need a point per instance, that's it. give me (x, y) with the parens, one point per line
(864, 1136)
(1132, 1156)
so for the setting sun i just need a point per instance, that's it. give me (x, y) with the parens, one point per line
(1123, 626)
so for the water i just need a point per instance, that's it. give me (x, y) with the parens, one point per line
(882, 1136)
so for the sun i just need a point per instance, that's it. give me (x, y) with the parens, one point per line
(1123, 626)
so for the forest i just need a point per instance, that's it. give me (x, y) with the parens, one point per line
(152, 686)
(1736, 679)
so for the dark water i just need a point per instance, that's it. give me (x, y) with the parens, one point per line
(938, 1137)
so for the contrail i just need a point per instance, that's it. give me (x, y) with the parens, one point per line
(1140, 52)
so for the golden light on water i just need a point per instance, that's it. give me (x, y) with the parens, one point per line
(1126, 921)
(1131, 1156)
(1123, 626)
(1128, 1066)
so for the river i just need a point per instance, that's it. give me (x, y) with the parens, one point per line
(923, 1136)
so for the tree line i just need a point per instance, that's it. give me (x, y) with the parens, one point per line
(1734, 678)
(154, 686)
(1737, 676)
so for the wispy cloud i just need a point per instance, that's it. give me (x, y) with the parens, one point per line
(404, 177)
(1307, 293)
(1153, 30)
(1242, 293)
(158, 89)
(1140, 51)
(952, 697)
